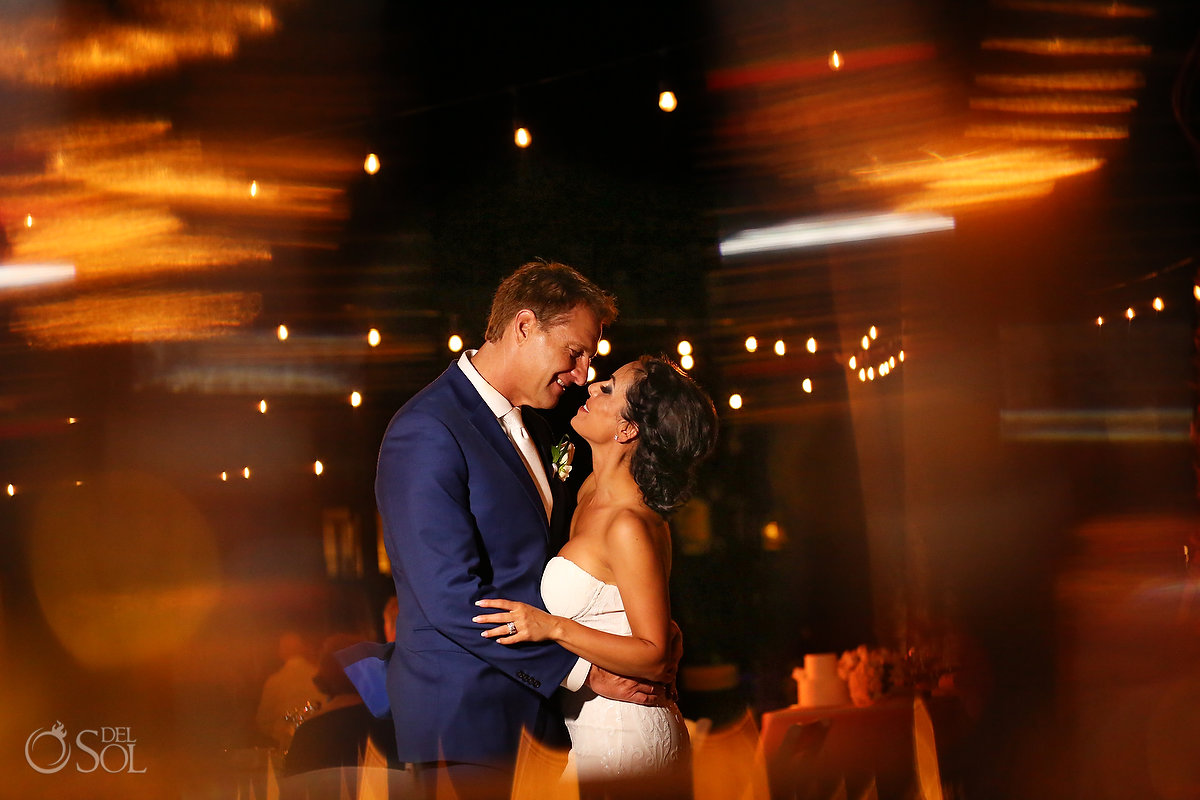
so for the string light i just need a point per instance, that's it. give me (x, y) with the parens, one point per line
(355, 399)
(522, 138)
(853, 363)
(870, 373)
(12, 490)
(1129, 314)
(872, 333)
(262, 406)
(862, 375)
(735, 401)
(1158, 304)
(780, 347)
(318, 467)
(455, 343)
(373, 337)
(811, 345)
(246, 473)
(892, 362)
(807, 386)
(667, 101)
(371, 165)
(591, 374)
(866, 343)
(751, 344)
(1099, 322)
(901, 355)
(1196, 291)
(835, 60)
(224, 476)
(254, 188)
(282, 333)
(29, 220)
(71, 420)
(687, 362)
(603, 348)
(684, 348)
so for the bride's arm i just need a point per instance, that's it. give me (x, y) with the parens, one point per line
(641, 574)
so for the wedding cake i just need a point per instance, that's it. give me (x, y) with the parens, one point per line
(817, 682)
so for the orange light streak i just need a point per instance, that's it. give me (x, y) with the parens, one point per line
(818, 66)
(1111, 46)
(1112, 10)
(1078, 81)
(1047, 131)
(1056, 104)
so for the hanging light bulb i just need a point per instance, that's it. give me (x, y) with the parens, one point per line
(862, 375)
(687, 362)
(455, 343)
(246, 473)
(866, 343)
(852, 363)
(667, 101)
(591, 374)
(780, 347)
(355, 399)
(901, 355)
(684, 348)
(12, 490)
(1158, 304)
(811, 344)
(1099, 322)
(735, 401)
(1129, 313)
(318, 467)
(371, 165)
(224, 476)
(373, 337)
(751, 344)
(29, 220)
(522, 138)
(262, 406)
(254, 188)
(807, 386)
(282, 333)
(872, 333)
(603, 348)
(870, 373)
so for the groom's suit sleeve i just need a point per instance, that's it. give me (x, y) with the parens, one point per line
(454, 535)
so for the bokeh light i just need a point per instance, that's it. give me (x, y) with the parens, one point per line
(667, 101)
(687, 362)
(455, 343)
(603, 348)
(373, 337)
(355, 399)
(735, 401)
(124, 567)
(751, 344)
(780, 347)
(522, 138)
(684, 348)
(318, 467)
(371, 165)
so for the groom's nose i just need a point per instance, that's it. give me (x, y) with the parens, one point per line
(580, 371)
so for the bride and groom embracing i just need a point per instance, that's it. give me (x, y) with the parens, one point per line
(499, 607)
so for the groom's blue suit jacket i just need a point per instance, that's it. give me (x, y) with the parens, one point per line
(462, 521)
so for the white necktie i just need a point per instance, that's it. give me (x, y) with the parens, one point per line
(515, 427)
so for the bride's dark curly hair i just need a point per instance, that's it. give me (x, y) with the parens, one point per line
(677, 428)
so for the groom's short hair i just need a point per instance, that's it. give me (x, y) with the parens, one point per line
(551, 291)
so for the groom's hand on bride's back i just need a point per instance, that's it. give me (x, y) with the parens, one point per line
(637, 690)
(628, 690)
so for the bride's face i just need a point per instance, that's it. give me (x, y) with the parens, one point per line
(599, 419)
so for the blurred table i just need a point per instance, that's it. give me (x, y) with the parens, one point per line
(858, 745)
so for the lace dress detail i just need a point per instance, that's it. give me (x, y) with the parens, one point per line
(610, 740)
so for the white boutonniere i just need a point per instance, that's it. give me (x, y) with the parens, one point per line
(561, 456)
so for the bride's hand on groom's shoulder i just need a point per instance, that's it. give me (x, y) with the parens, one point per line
(519, 622)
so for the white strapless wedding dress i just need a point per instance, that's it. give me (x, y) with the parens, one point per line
(610, 740)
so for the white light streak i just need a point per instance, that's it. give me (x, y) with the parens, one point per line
(16, 276)
(833, 229)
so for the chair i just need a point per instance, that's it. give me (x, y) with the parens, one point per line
(729, 765)
(791, 770)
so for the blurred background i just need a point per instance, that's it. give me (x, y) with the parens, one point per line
(935, 261)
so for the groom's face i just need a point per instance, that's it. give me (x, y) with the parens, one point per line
(553, 358)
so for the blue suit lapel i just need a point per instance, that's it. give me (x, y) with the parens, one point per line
(484, 421)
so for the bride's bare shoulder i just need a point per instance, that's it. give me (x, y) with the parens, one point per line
(631, 526)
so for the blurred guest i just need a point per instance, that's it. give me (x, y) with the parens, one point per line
(287, 690)
(338, 734)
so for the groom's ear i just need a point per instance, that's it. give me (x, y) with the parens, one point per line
(523, 325)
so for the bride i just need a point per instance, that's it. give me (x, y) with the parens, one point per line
(607, 589)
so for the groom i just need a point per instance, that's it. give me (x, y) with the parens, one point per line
(470, 510)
